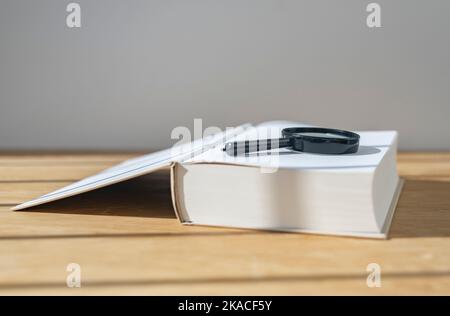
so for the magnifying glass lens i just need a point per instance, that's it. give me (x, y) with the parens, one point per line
(322, 135)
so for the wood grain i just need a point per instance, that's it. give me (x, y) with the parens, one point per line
(128, 241)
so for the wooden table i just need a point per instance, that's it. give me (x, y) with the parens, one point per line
(127, 241)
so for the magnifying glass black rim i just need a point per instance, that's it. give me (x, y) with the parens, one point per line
(322, 145)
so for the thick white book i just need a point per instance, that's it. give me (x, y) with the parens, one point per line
(282, 190)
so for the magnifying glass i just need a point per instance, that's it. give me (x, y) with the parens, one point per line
(315, 140)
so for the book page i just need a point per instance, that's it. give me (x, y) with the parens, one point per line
(136, 167)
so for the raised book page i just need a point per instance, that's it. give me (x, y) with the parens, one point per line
(136, 167)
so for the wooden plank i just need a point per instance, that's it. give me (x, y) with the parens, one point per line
(49, 173)
(433, 166)
(425, 157)
(128, 241)
(64, 158)
(63, 167)
(16, 193)
(210, 261)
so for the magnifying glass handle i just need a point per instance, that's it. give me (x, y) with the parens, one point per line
(248, 146)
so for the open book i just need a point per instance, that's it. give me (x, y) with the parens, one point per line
(284, 190)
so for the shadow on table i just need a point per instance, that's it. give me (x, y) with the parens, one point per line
(423, 210)
(146, 196)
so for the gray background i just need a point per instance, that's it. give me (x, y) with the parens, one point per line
(137, 69)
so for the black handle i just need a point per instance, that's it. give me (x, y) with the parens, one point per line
(248, 146)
